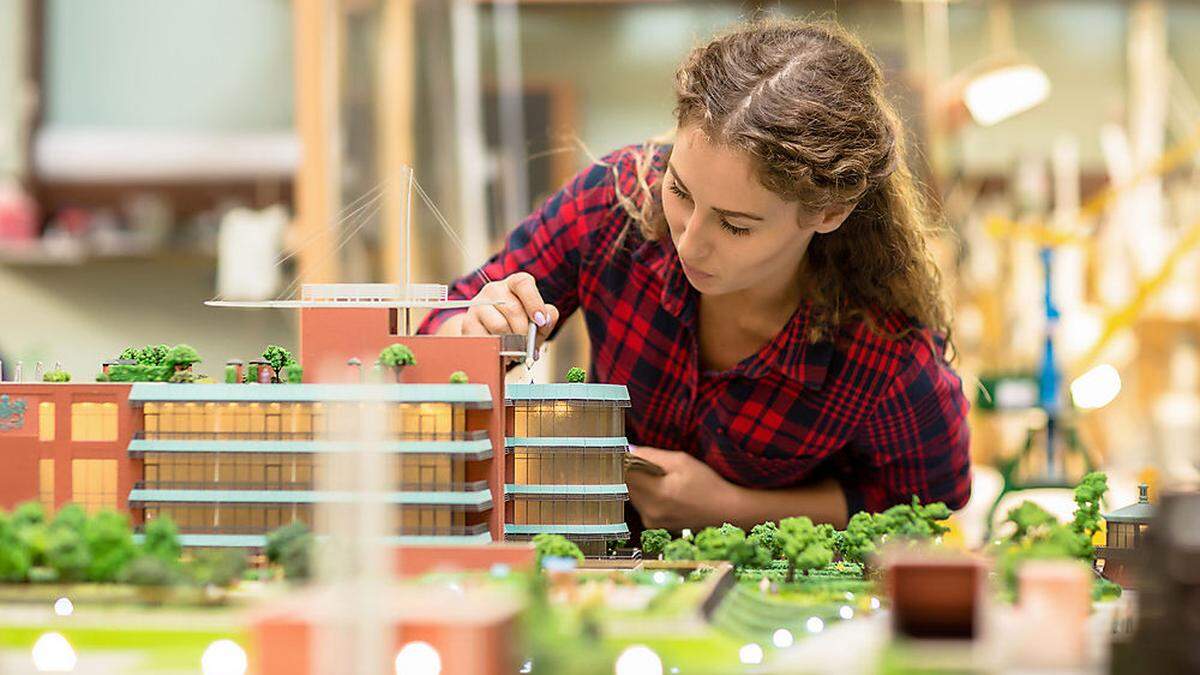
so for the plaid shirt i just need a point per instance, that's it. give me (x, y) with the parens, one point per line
(886, 417)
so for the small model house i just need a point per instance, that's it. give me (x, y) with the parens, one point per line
(566, 445)
(1124, 538)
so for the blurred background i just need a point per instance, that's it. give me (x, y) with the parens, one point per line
(155, 155)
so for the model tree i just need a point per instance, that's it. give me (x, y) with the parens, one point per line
(1088, 494)
(858, 540)
(14, 557)
(397, 355)
(768, 537)
(576, 375)
(654, 541)
(458, 377)
(162, 540)
(803, 545)
(278, 357)
(716, 543)
(110, 546)
(554, 546)
(680, 549)
(182, 357)
(750, 553)
(67, 554)
(57, 375)
(1029, 521)
(290, 547)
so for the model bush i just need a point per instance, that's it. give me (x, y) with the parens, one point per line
(458, 377)
(162, 540)
(150, 570)
(576, 375)
(222, 568)
(56, 376)
(653, 542)
(182, 356)
(554, 546)
(67, 553)
(716, 543)
(680, 549)
(293, 373)
(109, 540)
(768, 536)
(14, 556)
(291, 548)
(231, 373)
(397, 355)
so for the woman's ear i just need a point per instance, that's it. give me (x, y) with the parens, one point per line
(832, 217)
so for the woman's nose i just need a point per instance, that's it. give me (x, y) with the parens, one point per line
(692, 245)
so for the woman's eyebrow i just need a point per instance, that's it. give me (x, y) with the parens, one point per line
(728, 213)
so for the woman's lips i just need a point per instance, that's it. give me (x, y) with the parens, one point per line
(695, 273)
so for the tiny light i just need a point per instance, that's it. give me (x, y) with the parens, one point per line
(527, 667)
(1096, 388)
(638, 660)
(846, 612)
(814, 624)
(64, 607)
(783, 638)
(223, 657)
(849, 595)
(750, 654)
(501, 570)
(418, 658)
(874, 603)
(53, 654)
(660, 577)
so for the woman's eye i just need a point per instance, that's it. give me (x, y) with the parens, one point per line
(733, 229)
(677, 192)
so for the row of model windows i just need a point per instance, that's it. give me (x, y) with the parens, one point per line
(568, 466)
(90, 421)
(260, 519)
(287, 471)
(93, 484)
(567, 418)
(301, 420)
(1124, 535)
(534, 511)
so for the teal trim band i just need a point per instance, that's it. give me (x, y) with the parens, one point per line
(614, 393)
(566, 442)
(479, 498)
(473, 395)
(617, 490)
(618, 529)
(477, 449)
(260, 540)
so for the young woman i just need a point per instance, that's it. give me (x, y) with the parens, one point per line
(761, 285)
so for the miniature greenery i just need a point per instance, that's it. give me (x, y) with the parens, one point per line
(56, 376)
(182, 355)
(293, 373)
(458, 377)
(554, 546)
(576, 375)
(278, 357)
(291, 547)
(155, 363)
(654, 541)
(397, 355)
(231, 375)
(680, 549)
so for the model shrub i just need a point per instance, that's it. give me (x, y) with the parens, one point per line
(576, 375)
(56, 376)
(397, 355)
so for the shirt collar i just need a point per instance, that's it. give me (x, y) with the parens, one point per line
(790, 352)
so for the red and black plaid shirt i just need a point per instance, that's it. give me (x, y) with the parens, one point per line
(886, 417)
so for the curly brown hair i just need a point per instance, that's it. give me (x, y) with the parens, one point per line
(805, 100)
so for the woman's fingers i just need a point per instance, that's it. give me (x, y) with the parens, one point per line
(551, 321)
(524, 287)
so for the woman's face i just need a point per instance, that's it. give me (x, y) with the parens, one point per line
(732, 233)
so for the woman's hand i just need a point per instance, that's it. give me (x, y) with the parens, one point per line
(691, 494)
(521, 303)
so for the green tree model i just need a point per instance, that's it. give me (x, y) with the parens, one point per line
(109, 541)
(217, 568)
(857, 542)
(71, 517)
(281, 538)
(803, 546)
(680, 549)
(653, 542)
(181, 356)
(56, 376)
(576, 375)
(768, 537)
(1088, 494)
(67, 554)
(293, 373)
(750, 553)
(554, 546)
(28, 514)
(162, 540)
(716, 543)
(396, 355)
(278, 357)
(14, 557)
(1030, 522)
(458, 377)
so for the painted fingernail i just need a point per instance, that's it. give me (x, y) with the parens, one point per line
(539, 318)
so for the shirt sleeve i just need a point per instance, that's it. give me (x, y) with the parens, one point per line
(549, 244)
(917, 439)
